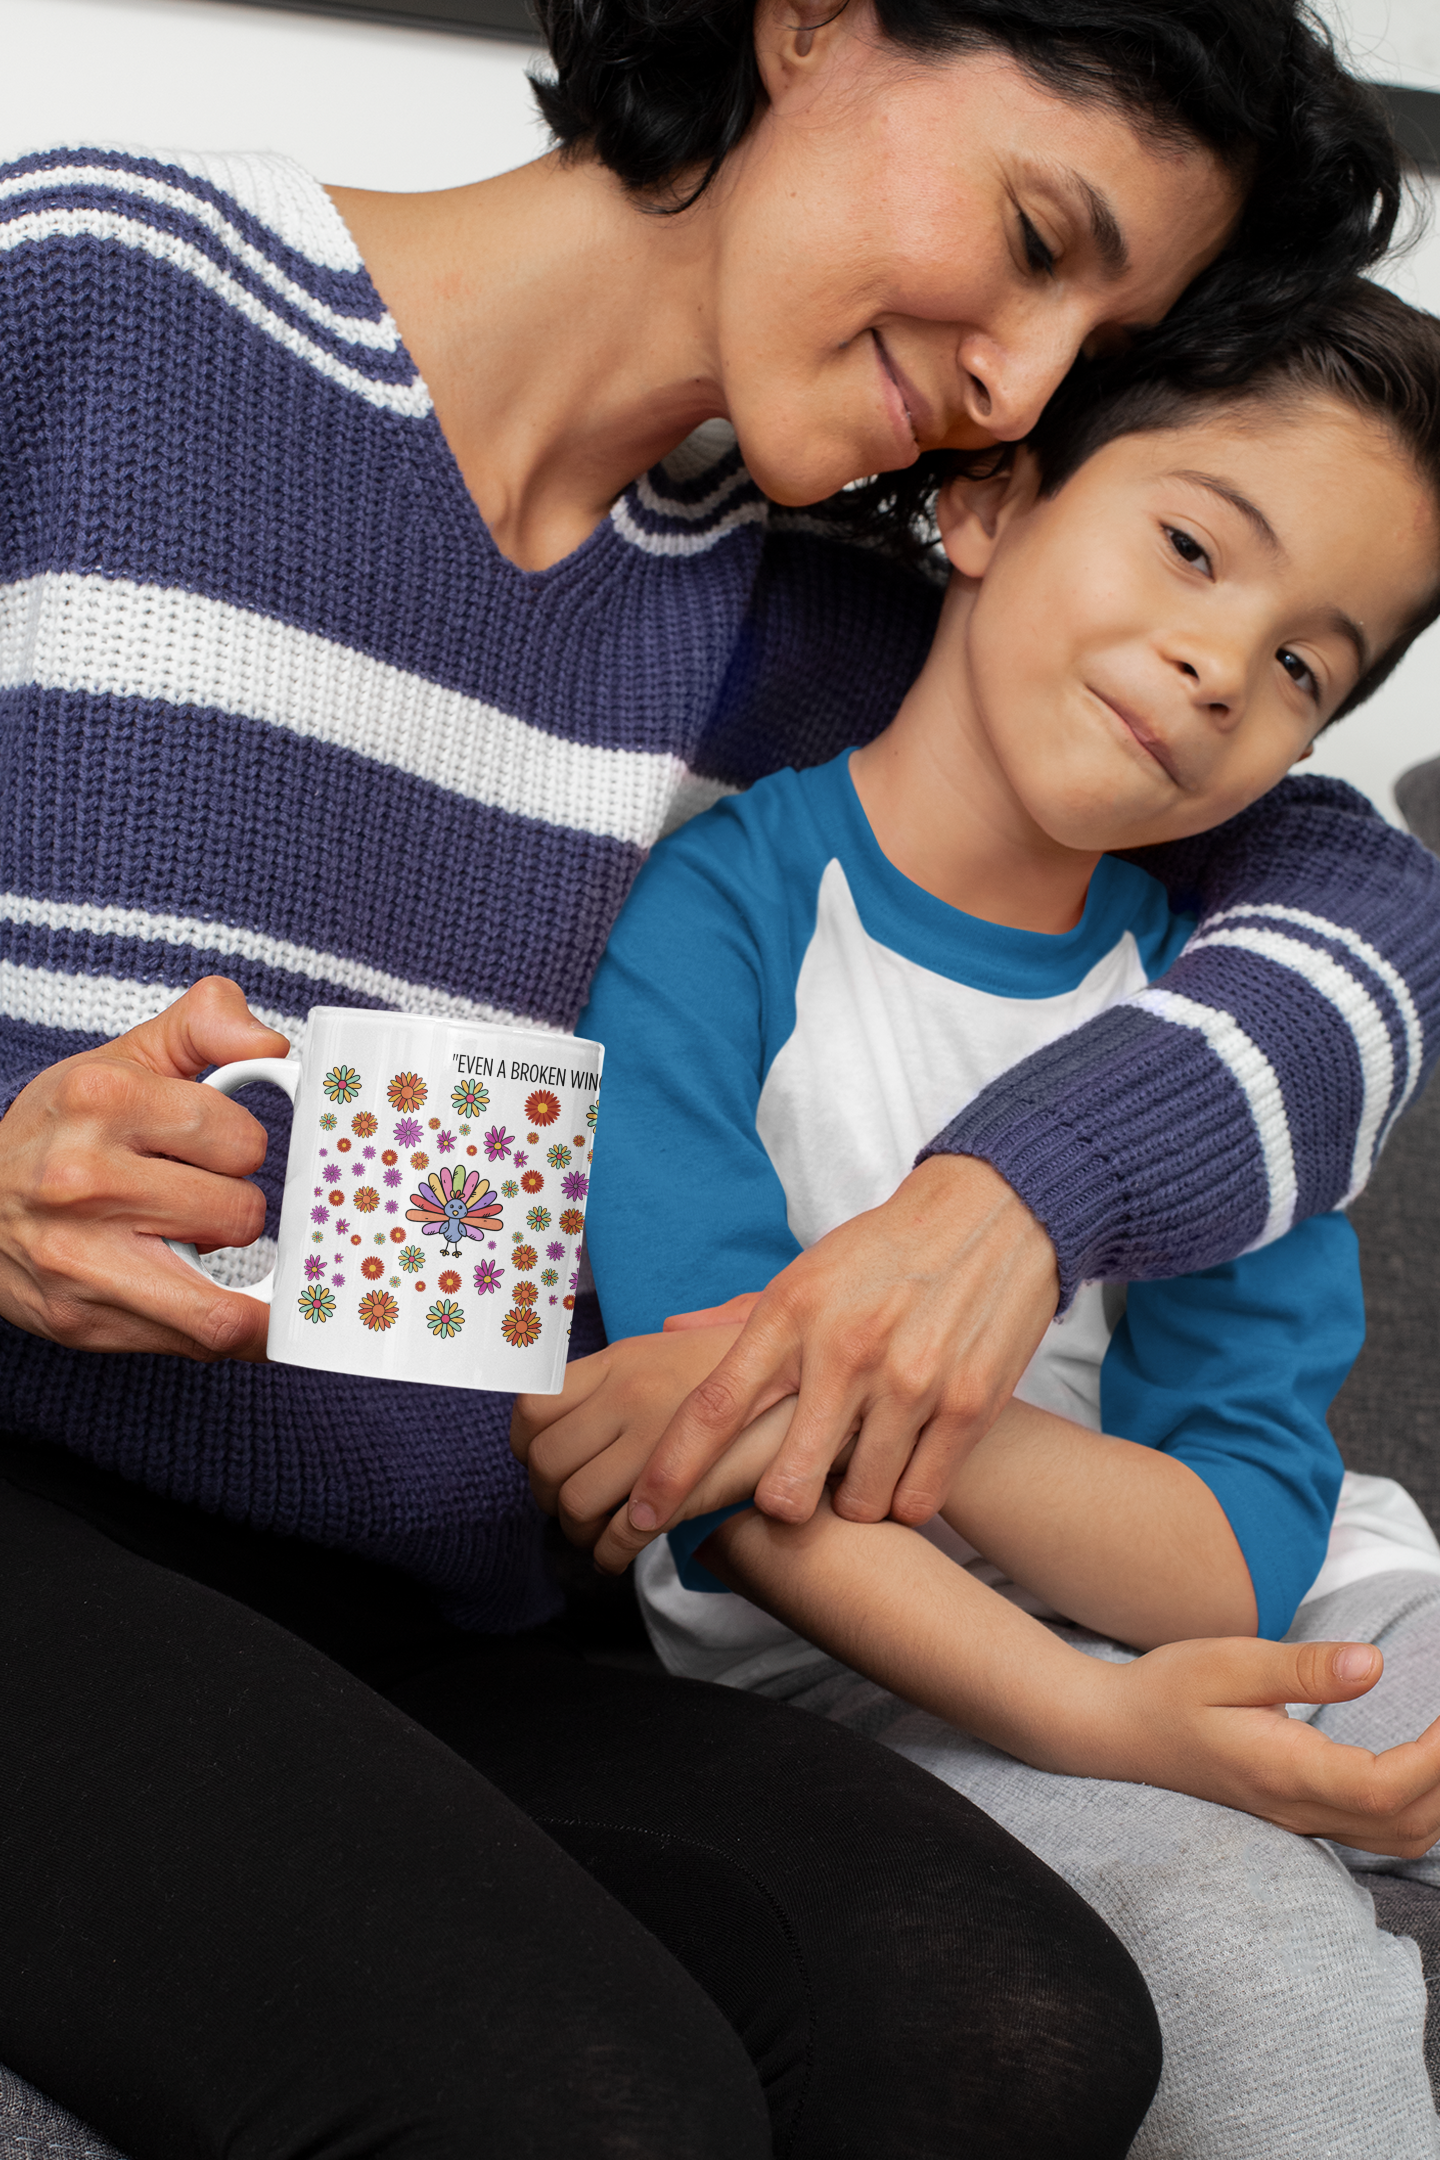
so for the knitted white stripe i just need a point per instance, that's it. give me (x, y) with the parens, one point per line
(229, 941)
(382, 336)
(1378, 965)
(102, 1004)
(1255, 1076)
(664, 506)
(1356, 1008)
(411, 400)
(112, 638)
(748, 513)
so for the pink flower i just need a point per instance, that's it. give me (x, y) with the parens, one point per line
(342, 1227)
(487, 1276)
(498, 1143)
(444, 1141)
(575, 1185)
(314, 1267)
(407, 1132)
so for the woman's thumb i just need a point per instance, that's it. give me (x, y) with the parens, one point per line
(210, 1025)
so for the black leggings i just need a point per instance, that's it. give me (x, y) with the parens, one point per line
(470, 1897)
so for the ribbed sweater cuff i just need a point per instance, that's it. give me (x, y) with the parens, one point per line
(1130, 1144)
(1061, 1174)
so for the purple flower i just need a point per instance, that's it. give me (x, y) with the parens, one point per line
(487, 1276)
(319, 1214)
(407, 1132)
(342, 1228)
(575, 1185)
(369, 1154)
(498, 1143)
(392, 1177)
(445, 1141)
(314, 1267)
(522, 1156)
(555, 1250)
(575, 1280)
(392, 1207)
(337, 1282)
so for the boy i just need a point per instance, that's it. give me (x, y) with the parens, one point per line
(1152, 614)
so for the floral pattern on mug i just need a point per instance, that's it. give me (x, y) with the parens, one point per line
(407, 1091)
(379, 1311)
(445, 1318)
(521, 1329)
(342, 1083)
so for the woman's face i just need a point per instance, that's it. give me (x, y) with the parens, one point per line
(910, 254)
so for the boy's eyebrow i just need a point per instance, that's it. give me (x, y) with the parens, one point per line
(1334, 618)
(1253, 515)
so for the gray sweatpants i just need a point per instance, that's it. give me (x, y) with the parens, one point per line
(1292, 2024)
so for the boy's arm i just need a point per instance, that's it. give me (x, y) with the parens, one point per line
(1200, 1717)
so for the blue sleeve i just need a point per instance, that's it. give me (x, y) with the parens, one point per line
(1233, 1371)
(685, 1207)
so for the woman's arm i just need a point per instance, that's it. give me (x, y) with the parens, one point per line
(1200, 1717)
(1249, 1087)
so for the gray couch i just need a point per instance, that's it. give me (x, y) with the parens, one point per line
(1386, 1420)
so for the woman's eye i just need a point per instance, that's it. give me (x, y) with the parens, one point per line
(1189, 550)
(1037, 254)
(1298, 672)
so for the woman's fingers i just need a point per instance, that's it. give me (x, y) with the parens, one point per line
(107, 1153)
(921, 1314)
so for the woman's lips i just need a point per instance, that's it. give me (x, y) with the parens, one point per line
(908, 411)
(1144, 735)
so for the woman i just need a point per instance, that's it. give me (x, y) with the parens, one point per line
(362, 664)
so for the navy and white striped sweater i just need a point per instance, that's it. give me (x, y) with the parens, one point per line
(273, 704)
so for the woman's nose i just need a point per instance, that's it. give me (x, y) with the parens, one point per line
(1009, 380)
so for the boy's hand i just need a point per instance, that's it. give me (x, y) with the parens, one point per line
(1209, 1718)
(911, 1323)
(585, 1447)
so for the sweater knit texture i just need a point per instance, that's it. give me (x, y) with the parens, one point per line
(272, 704)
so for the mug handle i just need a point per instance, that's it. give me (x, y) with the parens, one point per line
(285, 1072)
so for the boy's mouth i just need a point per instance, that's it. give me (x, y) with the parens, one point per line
(1142, 733)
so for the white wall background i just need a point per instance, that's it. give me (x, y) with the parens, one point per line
(400, 108)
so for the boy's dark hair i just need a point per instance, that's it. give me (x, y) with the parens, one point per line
(1365, 347)
(662, 90)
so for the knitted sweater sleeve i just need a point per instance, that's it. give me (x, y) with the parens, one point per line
(1255, 1083)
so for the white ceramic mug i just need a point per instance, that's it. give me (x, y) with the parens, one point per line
(434, 1200)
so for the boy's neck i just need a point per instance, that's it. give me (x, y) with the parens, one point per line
(944, 813)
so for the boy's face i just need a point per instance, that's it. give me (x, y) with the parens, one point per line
(1149, 649)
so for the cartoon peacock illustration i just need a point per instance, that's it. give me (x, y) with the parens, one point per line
(453, 1206)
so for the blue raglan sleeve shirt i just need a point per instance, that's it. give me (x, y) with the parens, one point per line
(1231, 1371)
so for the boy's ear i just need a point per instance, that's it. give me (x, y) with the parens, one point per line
(972, 514)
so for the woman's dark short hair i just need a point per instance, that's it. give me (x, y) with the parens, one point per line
(662, 90)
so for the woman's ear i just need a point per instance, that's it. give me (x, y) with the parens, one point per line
(973, 514)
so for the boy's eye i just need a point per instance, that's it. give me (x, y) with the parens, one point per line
(1037, 254)
(1188, 550)
(1298, 672)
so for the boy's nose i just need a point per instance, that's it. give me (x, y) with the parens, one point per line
(1214, 682)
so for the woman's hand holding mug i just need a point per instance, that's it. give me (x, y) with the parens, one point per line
(110, 1152)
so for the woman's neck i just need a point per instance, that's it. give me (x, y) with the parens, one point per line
(563, 334)
(944, 812)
